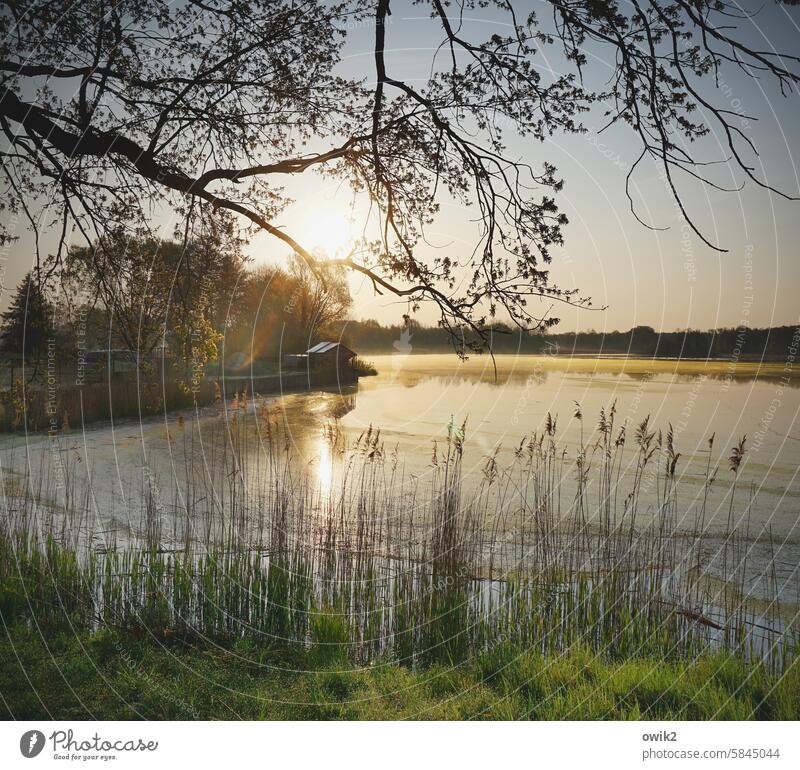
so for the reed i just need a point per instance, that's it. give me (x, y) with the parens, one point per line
(374, 565)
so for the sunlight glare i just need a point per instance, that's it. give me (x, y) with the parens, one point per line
(328, 231)
(325, 468)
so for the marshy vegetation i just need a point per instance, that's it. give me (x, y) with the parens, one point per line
(354, 562)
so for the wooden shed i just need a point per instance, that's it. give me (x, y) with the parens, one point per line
(329, 355)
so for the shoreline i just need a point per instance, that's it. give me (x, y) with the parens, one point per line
(85, 406)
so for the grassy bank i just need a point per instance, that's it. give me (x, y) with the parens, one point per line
(108, 675)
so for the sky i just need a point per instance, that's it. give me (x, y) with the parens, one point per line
(665, 279)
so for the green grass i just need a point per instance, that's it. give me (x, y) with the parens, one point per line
(107, 675)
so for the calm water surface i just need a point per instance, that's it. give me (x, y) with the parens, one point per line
(415, 398)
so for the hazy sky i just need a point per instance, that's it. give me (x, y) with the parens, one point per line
(666, 279)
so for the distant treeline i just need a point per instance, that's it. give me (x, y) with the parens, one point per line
(774, 343)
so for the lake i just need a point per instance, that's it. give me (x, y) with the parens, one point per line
(415, 400)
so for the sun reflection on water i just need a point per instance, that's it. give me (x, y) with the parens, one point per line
(324, 466)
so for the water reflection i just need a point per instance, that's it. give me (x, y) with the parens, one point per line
(413, 400)
(324, 464)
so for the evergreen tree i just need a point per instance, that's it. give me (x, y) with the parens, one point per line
(26, 323)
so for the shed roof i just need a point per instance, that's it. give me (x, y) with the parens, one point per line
(327, 346)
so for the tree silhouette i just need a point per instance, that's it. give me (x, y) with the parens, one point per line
(152, 291)
(318, 302)
(26, 324)
(119, 108)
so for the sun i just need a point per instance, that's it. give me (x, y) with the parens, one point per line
(328, 231)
